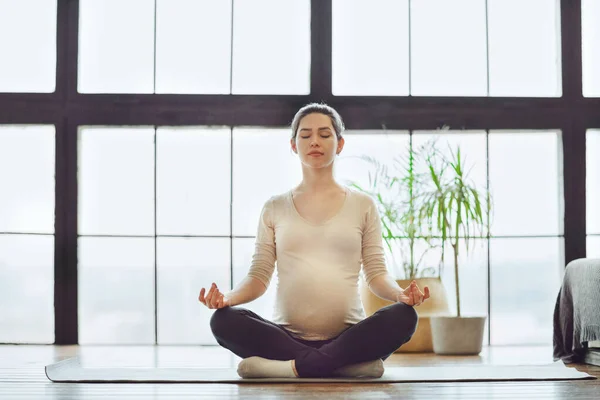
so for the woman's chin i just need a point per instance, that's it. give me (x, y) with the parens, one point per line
(317, 164)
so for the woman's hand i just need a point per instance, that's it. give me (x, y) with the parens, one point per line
(412, 295)
(214, 298)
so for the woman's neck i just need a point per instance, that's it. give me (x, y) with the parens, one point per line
(317, 181)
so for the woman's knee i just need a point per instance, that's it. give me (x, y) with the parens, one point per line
(222, 320)
(407, 315)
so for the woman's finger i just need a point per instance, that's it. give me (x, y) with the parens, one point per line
(426, 295)
(417, 295)
(218, 296)
(208, 299)
(210, 294)
(215, 299)
(201, 297)
(211, 290)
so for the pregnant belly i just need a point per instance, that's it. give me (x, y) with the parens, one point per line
(318, 311)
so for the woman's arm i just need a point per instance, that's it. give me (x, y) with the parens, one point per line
(248, 290)
(261, 270)
(385, 287)
(373, 257)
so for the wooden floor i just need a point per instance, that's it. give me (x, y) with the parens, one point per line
(22, 376)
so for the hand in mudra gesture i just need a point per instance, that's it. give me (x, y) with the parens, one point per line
(412, 295)
(214, 298)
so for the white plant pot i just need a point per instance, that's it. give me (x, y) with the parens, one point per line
(457, 335)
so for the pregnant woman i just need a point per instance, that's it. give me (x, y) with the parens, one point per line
(319, 235)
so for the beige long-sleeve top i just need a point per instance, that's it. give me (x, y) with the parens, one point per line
(318, 265)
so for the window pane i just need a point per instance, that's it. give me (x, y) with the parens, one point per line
(116, 46)
(116, 290)
(524, 48)
(526, 183)
(263, 165)
(590, 27)
(593, 247)
(27, 200)
(116, 181)
(473, 277)
(472, 145)
(193, 46)
(593, 181)
(448, 48)
(472, 272)
(26, 289)
(243, 250)
(370, 47)
(192, 162)
(29, 46)
(185, 265)
(384, 146)
(525, 279)
(271, 47)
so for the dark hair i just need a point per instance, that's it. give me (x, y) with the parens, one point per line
(320, 108)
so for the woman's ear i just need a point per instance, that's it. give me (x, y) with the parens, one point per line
(340, 146)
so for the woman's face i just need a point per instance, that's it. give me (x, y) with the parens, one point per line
(316, 142)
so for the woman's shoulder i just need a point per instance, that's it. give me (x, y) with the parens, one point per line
(362, 199)
(277, 200)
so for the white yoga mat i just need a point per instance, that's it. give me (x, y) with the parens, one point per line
(70, 370)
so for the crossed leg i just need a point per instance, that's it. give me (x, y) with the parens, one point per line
(247, 334)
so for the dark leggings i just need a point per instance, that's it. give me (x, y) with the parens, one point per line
(246, 334)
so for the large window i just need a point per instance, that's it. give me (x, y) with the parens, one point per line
(526, 244)
(206, 223)
(27, 233)
(446, 48)
(139, 140)
(526, 230)
(189, 46)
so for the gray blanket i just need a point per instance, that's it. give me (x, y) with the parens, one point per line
(577, 310)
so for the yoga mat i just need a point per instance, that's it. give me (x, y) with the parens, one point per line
(70, 370)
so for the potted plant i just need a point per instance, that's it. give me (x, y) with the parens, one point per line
(396, 195)
(455, 209)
